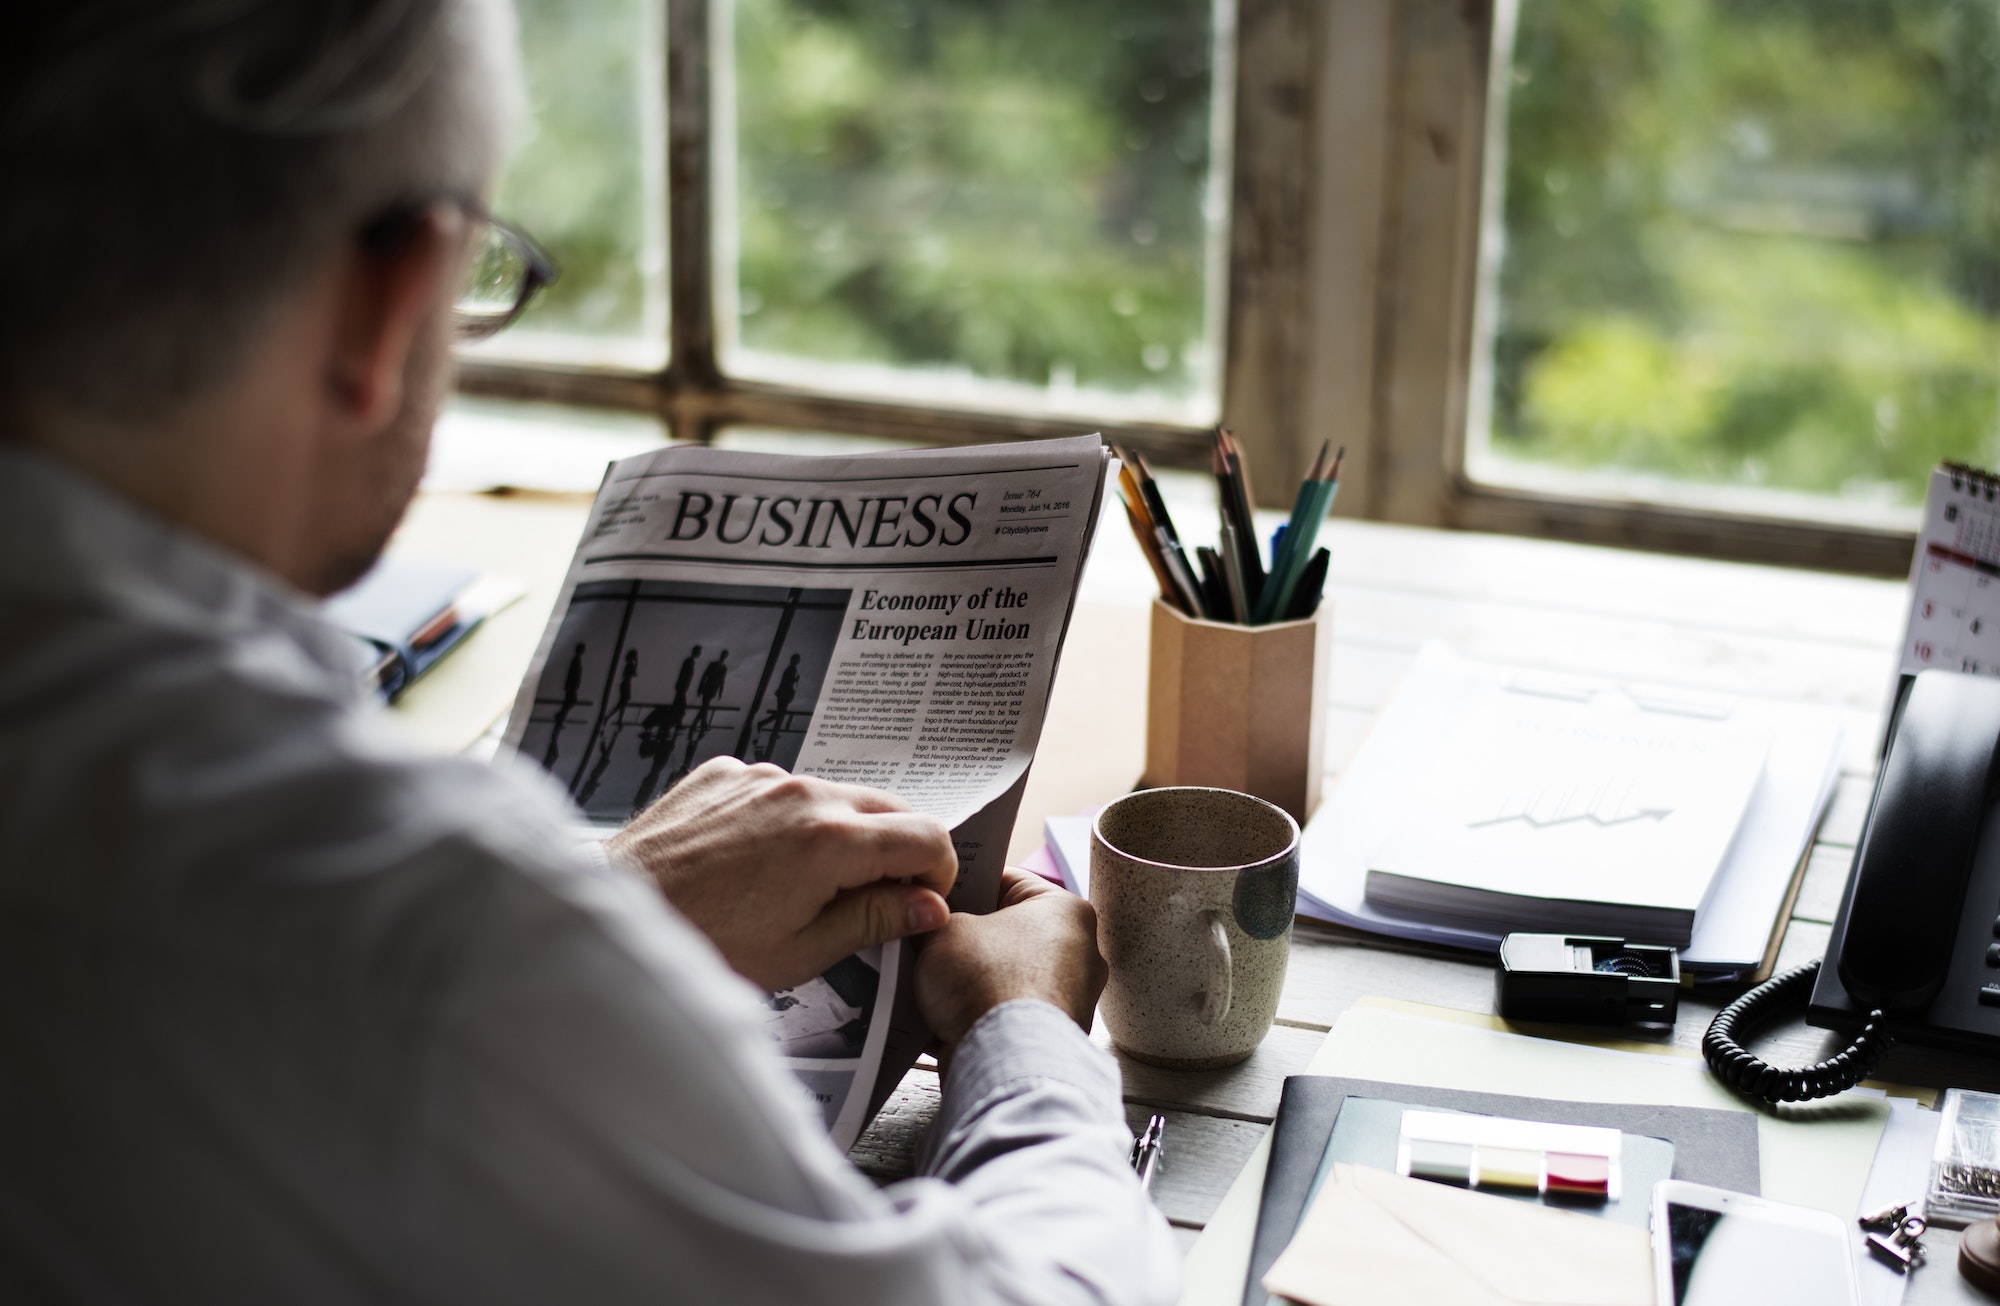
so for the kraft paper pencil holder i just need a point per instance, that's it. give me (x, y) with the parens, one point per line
(1239, 707)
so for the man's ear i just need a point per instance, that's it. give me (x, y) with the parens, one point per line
(393, 291)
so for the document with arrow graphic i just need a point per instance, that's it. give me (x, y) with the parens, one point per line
(1575, 810)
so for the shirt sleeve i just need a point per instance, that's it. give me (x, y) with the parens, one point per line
(606, 1120)
(1031, 1132)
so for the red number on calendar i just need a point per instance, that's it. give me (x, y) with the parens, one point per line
(1923, 652)
(1929, 608)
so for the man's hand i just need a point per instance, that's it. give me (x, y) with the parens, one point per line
(788, 874)
(1041, 943)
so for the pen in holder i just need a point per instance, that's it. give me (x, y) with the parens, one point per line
(1239, 707)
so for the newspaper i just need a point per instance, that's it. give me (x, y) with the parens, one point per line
(888, 619)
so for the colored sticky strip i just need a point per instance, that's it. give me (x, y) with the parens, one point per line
(1509, 1167)
(1579, 1174)
(1444, 1163)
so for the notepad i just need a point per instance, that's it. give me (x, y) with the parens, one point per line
(1733, 933)
(407, 613)
(1584, 812)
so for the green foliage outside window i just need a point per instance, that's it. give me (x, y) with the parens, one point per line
(577, 180)
(1011, 189)
(1014, 190)
(1752, 241)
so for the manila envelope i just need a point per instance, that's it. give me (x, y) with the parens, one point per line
(1372, 1237)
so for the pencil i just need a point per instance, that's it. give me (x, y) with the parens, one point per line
(1215, 589)
(1234, 484)
(1236, 573)
(1141, 532)
(1184, 579)
(1171, 553)
(1129, 481)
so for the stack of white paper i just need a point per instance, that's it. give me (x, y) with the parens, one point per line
(1541, 762)
(1584, 813)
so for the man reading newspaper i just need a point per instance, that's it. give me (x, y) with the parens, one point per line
(887, 619)
(289, 1013)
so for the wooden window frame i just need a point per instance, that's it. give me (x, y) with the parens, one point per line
(1351, 287)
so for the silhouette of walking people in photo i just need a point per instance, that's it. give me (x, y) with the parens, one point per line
(661, 728)
(616, 723)
(625, 678)
(781, 698)
(677, 711)
(710, 689)
(572, 689)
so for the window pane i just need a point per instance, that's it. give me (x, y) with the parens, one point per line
(586, 180)
(1746, 243)
(483, 445)
(816, 444)
(954, 196)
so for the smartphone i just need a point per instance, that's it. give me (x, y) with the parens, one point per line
(1712, 1247)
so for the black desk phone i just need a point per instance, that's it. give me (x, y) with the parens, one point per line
(1915, 952)
(1918, 932)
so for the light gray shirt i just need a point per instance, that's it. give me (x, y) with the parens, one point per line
(289, 1013)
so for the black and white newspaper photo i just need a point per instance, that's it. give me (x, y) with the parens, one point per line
(827, 1029)
(652, 678)
(888, 619)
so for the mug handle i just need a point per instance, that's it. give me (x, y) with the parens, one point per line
(1221, 986)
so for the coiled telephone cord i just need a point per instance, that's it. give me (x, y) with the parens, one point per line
(1786, 995)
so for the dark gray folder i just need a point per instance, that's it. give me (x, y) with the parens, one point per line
(1710, 1147)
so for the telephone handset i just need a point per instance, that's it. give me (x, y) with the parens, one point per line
(1923, 847)
(1915, 951)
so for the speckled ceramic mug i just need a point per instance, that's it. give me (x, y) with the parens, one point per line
(1194, 890)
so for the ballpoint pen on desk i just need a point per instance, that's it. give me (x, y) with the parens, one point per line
(1146, 1149)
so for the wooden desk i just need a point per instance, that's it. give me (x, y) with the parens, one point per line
(1750, 630)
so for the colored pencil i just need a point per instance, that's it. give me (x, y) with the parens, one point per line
(1301, 534)
(1144, 534)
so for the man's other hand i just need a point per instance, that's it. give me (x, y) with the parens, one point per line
(788, 874)
(1041, 943)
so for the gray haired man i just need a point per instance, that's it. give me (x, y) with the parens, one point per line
(290, 1014)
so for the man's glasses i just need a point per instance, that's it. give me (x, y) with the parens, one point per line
(505, 272)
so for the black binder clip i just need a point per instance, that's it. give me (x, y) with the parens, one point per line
(1587, 979)
(1894, 1236)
